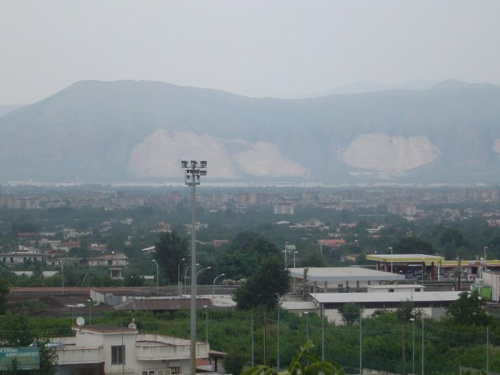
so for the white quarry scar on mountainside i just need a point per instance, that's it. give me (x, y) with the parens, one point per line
(386, 154)
(159, 154)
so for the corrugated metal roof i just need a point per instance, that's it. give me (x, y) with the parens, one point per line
(340, 274)
(385, 297)
(162, 304)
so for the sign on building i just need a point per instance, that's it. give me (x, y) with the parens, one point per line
(27, 358)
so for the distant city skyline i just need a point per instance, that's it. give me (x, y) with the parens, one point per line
(256, 48)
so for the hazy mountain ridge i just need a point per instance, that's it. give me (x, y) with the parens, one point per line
(129, 130)
(363, 87)
(4, 109)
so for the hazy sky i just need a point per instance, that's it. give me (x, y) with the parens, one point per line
(250, 47)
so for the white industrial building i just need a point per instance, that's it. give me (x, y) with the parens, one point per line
(432, 304)
(341, 279)
(327, 289)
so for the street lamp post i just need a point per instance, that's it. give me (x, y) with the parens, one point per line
(62, 277)
(360, 342)
(307, 325)
(412, 320)
(391, 257)
(323, 334)
(157, 278)
(423, 347)
(90, 310)
(294, 288)
(484, 258)
(185, 277)
(286, 251)
(213, 284)
(200, 271)
(179, 276)
(206, 322)
(192, 175)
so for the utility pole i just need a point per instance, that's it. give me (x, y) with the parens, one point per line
(459, 271)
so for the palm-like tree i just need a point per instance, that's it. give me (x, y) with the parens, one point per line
(303, 363)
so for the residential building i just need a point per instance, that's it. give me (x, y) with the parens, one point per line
(284, 208)
(104, 349)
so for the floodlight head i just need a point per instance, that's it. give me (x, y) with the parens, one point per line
(184, 164)
(203, 164)
(203, 173)
(194, 163)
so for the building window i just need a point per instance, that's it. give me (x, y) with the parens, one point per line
(156, 372)
(118, 355)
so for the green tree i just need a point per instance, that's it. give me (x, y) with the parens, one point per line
(170, 250)
(350, 312)
(16, 330)
(264, 288)
(243, 256)
(406, 311)
(234, 361)
(468, 309)
(303, 363)
(413, 245)
(314, 259)
(4, 292)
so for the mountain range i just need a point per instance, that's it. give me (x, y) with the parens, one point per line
(138, 131)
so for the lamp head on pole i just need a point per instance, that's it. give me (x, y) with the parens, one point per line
(193, 170)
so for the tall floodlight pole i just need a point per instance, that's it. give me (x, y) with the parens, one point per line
(157, 278)
(193, 171)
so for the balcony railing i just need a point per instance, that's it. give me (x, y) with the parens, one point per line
(70, 355)
(159, 347)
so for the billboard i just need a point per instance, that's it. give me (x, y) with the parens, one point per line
(27, 358)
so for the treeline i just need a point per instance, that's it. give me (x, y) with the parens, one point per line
(387, 342)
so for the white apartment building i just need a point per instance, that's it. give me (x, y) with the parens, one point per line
(104, 349)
